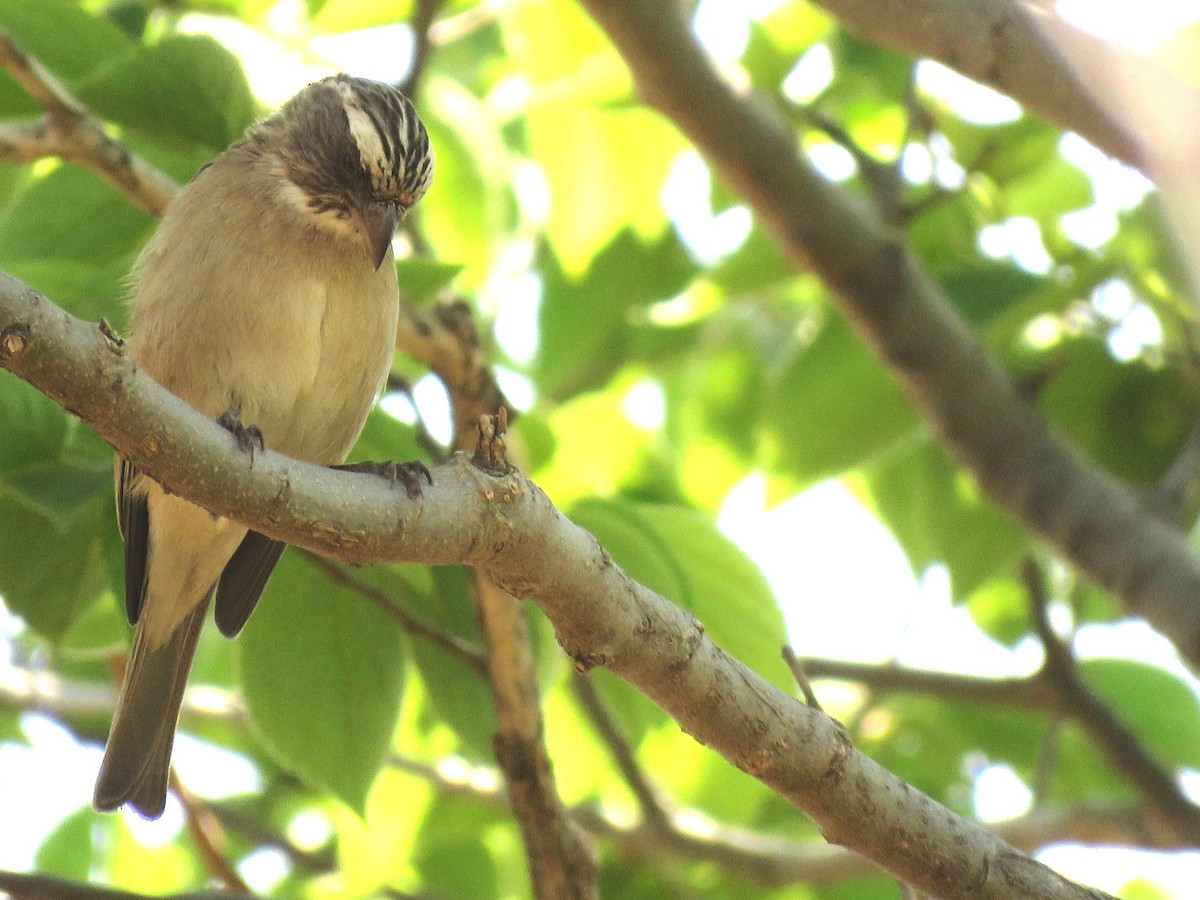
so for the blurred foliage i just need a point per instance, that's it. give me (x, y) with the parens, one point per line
(550, 210)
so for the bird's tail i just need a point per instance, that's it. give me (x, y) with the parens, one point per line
(137, 759)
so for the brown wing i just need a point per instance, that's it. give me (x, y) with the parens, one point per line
(133, 516)
(243, 581)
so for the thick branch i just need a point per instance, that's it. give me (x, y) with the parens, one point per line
(1093, 521)
(507, 526)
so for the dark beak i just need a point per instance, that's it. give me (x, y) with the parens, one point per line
(376, 221)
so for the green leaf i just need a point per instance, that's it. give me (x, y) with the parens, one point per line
(471, 201)
(131, 16)
(604, 160)
(938, 514)
(50, 576)
(101, 629)
(386, 438)
(868, 76)
(459, 696)
(729, 593)
(67, 850)
(834, 407)
(450, 855)
(89, 290)
(678, 553)
(985, 291)
(322, 670)
(767, 64)
(926, 742)
(34, 438)
(755, 265)
(1004, 152)
(1129, 417)
(185, 89)
(32, 426)
(584, 323)
(67, 40)
(944, 235)
(80, 202)
(423, 279)
(59, 490)
(635, 545)
(1157, 706)
(1044, 194)
(1001, 610)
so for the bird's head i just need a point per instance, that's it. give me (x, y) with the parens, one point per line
(357, 155)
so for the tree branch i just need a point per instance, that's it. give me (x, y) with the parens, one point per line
(445, 339)
(70, 132)
(1121, 748)
(1021, 693)
(776, 861)
(971, 403)
(208, 837)
(421, 23)
(656, 809)
(563, 862)
(463, 649)
(1004, 44)
(507, 526)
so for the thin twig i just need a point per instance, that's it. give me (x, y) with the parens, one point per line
(801, 676)
(774, 861)
(207, 836)
(251, 827)
(456, 27)
(1124, 752)
(463, 649)
(1019, 693)
(655, 807)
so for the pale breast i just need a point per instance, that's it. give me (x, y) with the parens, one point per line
(238, 304)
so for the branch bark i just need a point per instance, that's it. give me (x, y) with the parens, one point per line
(507, 526)
(1007, 45)
(1094, 522)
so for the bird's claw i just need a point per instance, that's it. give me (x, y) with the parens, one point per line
(407, 473)
(249, 437)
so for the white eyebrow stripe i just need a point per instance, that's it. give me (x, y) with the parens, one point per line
(366, 137)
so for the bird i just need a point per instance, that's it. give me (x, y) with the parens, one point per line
(267, 295)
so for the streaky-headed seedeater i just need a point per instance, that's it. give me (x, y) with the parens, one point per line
(267, 296)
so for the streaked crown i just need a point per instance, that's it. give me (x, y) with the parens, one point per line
(348, 141)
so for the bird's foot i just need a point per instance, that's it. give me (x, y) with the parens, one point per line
(408, 473)
(249, 437)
